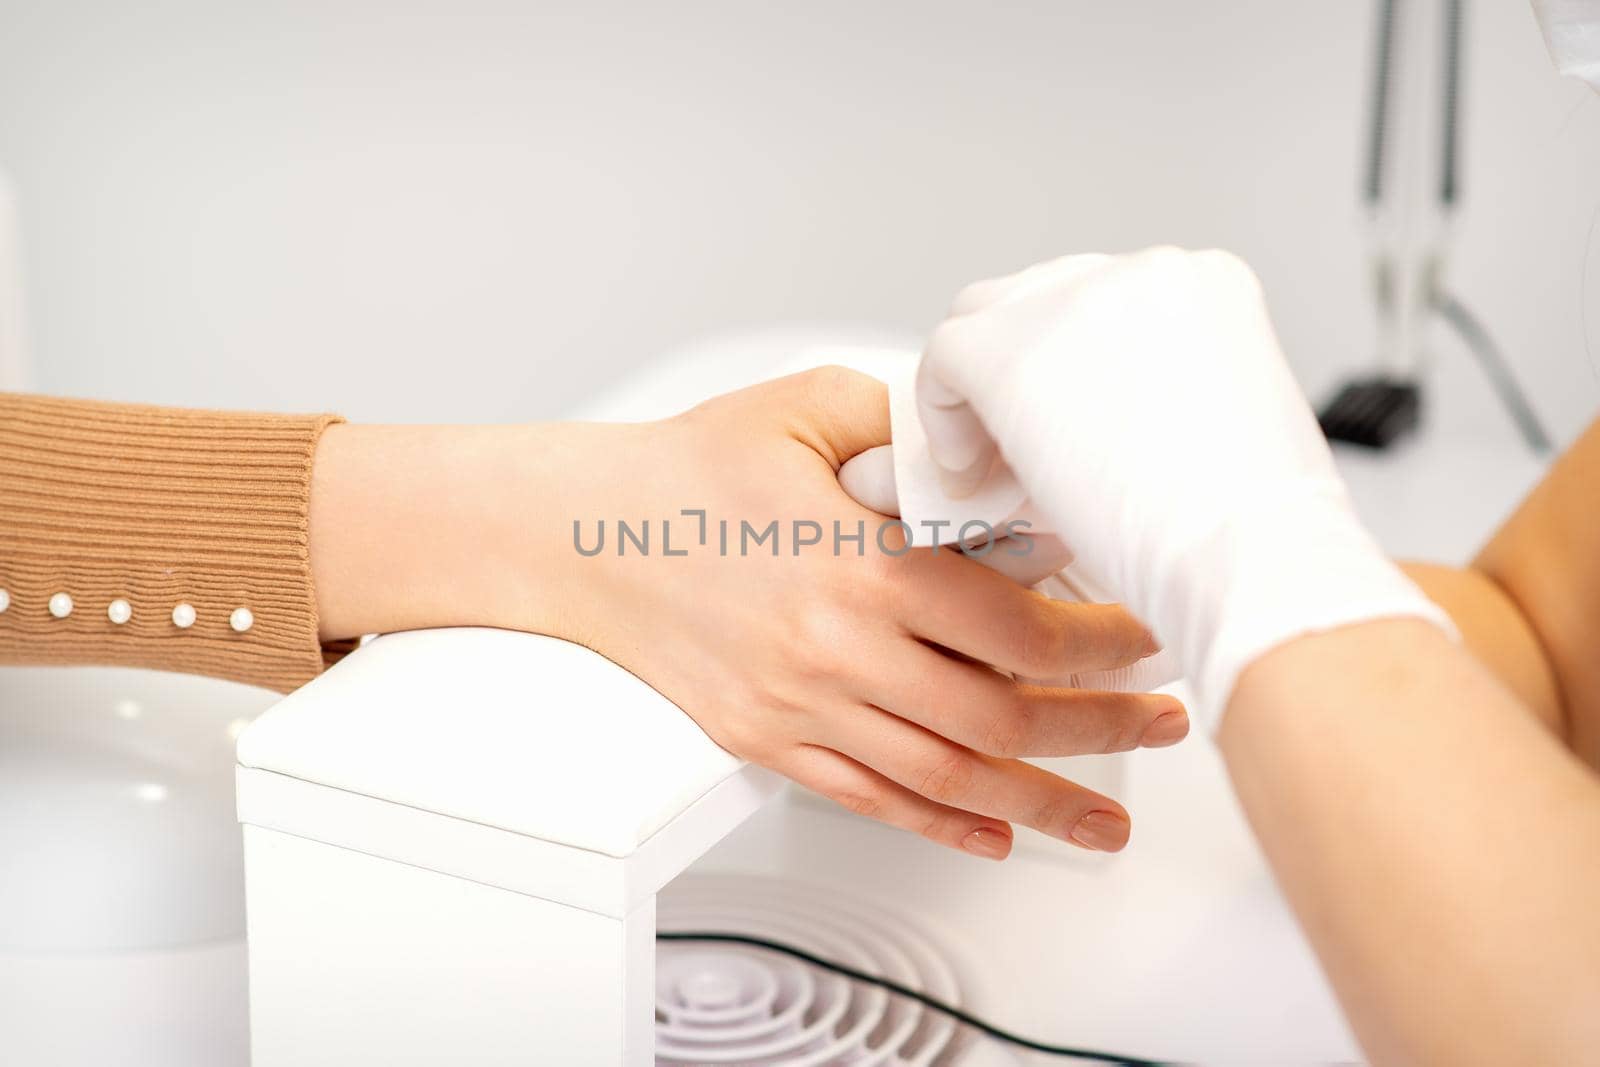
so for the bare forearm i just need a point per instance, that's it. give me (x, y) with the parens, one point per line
(1441, 850)
(1494, 630)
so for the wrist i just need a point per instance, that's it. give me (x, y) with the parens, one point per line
(562, 480)
(425, 526)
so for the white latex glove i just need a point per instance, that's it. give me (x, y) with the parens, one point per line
(902, 480)
(1144, 405)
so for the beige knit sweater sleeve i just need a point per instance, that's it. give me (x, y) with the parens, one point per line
(115, 512)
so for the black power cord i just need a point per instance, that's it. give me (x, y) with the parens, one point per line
(1497, 370)
(1377, 411)
(1455, 314)
(917, 995)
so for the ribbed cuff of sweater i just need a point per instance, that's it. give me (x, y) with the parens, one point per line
(159, 507)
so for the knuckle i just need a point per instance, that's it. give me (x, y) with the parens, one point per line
(1222, 260)
(936, 827)
(1007, 734)
(1160, 256)
(814, 663)
(756, 721)
(818, 633)
(751, 746)
(948, 339)
(948, 779)
(738, 734)
(1122, 735)
(859, 802)
(1056, 813)
(1043, 644)
(973, 296)
(832, 379)
(1229, 267)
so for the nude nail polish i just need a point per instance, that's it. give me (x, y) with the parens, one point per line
(990, 844)
(1101, 831)
(1166, 729)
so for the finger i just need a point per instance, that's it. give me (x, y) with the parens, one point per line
(1154, 671)
(953, 776)
(947, 599)
(866, 792)
(958, 443)
(869, 478)
(960, 358)
(982, 294)
(987, 712)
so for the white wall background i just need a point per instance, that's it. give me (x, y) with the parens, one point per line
(484, 211)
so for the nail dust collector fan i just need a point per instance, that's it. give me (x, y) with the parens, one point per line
(726, 1002)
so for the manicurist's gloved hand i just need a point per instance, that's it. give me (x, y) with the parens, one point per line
(853, 665)
(996, 525)
(1144, 405)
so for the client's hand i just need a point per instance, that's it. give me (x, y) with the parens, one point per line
(763, 604)
(823, 660)
(1144, 405)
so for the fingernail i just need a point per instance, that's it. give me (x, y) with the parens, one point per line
(1101, 831)
(990, 844)
(1168, 729)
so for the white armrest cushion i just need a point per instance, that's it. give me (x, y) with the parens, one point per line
(515, 731)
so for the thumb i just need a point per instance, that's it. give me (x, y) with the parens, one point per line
(869, 479)
(839, 412)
